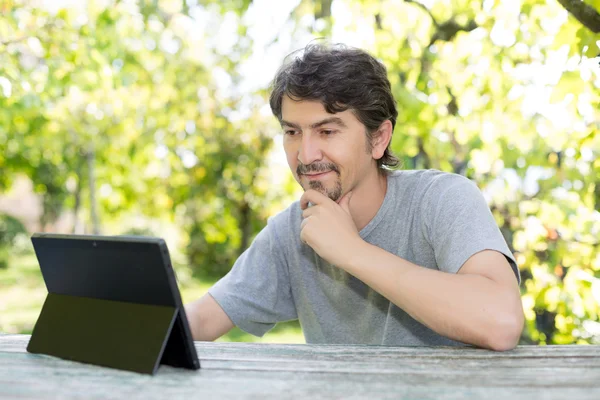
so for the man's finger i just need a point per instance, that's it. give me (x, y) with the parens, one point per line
(303, 224)
(303, 234)
(313, 197)
(308, 212)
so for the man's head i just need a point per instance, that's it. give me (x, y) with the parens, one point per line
(336, 107)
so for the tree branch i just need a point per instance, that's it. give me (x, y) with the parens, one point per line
(421, 5)
(448, 30)
(444, 32)
(323, 9)
(48, 26)
(11, 41)
(584, 13)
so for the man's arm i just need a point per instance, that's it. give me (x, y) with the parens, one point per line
(480, 305)
(207, 319)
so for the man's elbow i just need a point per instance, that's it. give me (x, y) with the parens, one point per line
(507, 332)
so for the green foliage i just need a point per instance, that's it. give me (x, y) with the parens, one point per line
(506, 95)
(11, 230)
(120, 107)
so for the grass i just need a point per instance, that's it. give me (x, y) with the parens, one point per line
(22, 294)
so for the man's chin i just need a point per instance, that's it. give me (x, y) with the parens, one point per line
(320, 190)
(331, 194)
(334, 193)
(316, 185)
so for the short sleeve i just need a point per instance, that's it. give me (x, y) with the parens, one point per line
(256, 293)
(459, 223)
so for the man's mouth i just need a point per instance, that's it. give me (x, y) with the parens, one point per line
(314, 175)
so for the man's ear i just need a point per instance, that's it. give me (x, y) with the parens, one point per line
(381, 139)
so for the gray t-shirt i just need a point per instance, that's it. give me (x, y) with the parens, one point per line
(430, 218)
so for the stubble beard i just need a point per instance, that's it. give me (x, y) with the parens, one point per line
(333, 193)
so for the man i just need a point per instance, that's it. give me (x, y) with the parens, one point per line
(368, 255)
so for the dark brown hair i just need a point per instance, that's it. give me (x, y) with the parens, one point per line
(341, 78)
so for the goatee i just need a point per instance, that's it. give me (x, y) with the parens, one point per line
(334, 194)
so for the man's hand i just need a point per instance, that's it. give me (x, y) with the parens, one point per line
(328, 227)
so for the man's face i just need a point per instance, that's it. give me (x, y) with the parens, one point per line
(326, 152)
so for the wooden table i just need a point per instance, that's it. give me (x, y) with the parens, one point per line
(244, 370)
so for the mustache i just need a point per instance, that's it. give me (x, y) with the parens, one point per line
(322, 167)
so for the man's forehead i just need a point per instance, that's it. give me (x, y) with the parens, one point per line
(309, 112)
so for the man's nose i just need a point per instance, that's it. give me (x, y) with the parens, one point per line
(310, 150)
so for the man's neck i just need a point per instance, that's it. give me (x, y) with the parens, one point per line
(367, 199)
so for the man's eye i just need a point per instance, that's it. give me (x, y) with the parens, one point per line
(290, 132)
(327, 132)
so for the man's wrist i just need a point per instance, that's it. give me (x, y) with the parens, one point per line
(356, 255)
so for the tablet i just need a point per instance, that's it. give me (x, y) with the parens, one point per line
(112, 301)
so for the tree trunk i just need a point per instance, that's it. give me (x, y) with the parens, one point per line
(92, 187)
(584, 13)
(245, 226)
(323, 8)
(77, 196)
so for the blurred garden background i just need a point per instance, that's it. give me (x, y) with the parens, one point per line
(151, 117)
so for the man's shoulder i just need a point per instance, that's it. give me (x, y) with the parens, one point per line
(427, 182)
(426, 190)
(279, 231)
(287, 217)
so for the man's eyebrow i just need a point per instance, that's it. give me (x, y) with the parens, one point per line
(330, 120)
(290, 124)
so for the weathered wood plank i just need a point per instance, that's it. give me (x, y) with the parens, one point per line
(58, 376)
(275, 350)
(18, 343)
(294, 371)
(507, 376)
